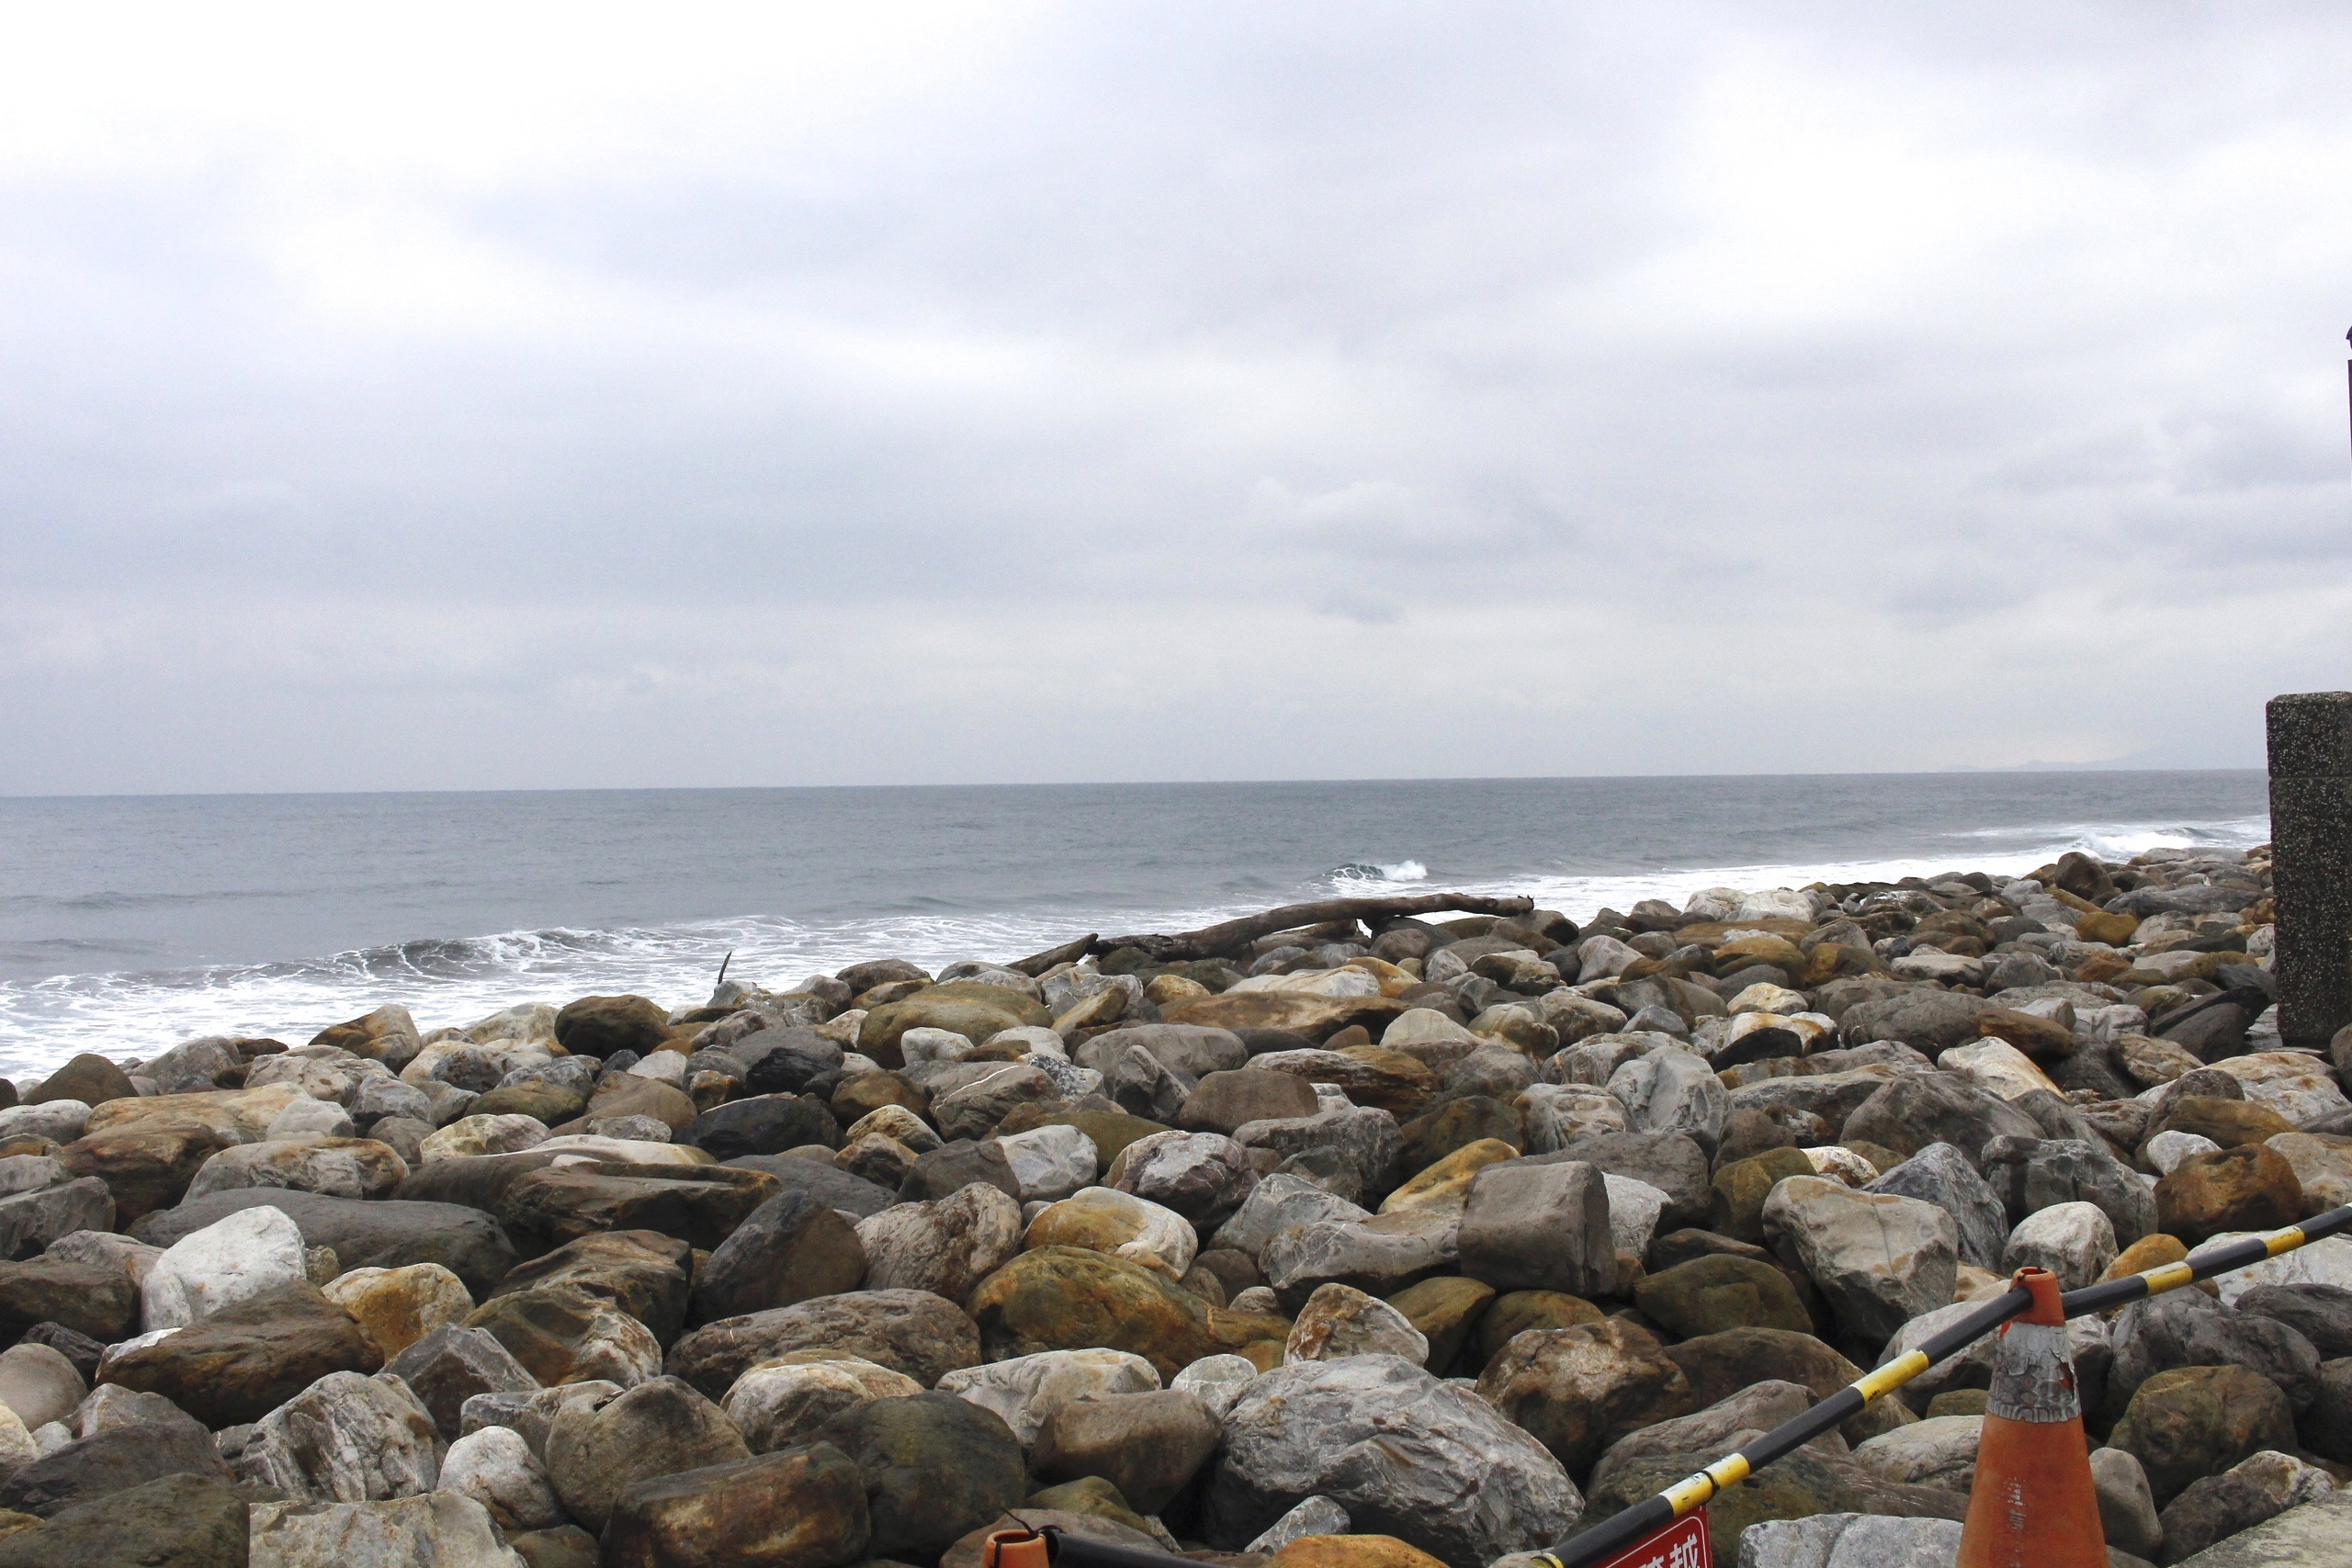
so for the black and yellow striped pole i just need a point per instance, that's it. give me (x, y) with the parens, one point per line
(1621, 1531)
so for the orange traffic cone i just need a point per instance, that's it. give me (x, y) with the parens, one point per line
(2033, 1504)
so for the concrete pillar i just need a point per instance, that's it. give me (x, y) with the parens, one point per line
(2310, 833)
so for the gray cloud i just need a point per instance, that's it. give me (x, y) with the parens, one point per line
(1057, 394)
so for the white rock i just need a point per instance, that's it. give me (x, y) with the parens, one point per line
(346, 1439)
(2323, 1262)
(494, 1135)
(1604, 956)
(778, 1404)
(1050, 1163)
(59, 1121)
(1998, 1067)
(39, 1384)
(2168, 1149)
(240, 1255)
(936, 1046)
(625, 1151)
(51, 1436)
(1763, 997)
(1556, 1115)
(1673, 1091)
(1937, 1451)
(1217, 1381)
(1841, 1163)
(497, 1469)
(1316, 1515)
(1878, 1259)
(1025, 1390)
(1634, 1210)
(311, 1119)
(439, 1529)
(664, 1067)
(1850, 1540)
(17, 1448)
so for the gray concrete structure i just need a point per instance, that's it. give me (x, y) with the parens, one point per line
(2311, 832)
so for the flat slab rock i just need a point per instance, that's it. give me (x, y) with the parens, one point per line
(389, 1233)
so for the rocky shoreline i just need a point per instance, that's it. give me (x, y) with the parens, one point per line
(1354, 1244)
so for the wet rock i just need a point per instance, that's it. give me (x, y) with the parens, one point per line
(568, 1333)
(1338, 1320)
(451, 1365)
(781, 1403)
(2194, 1421)
(946, 1247)
(1707, 1296)
(2249, 1188)
(346, 1439)
(1878, 1260)
(908, 1331)
(1536, 1226)
(794, 1247)
(2032, 1176)
(2189, 1328)
(1446, 1184)
(933, 1467)
(1204, 1177)
(439, 1529)
(656, 1428)
(1148, 1444)
(1404, 1454)
(185, 1521)
(389, 1233)
(806, 1508)
(644, 1273)
(1578, 1390)
(1939, 1174)
(1062, 1298)
(497, 1469)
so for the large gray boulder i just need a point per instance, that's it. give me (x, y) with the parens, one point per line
(1530, 1226)
(346, 1439)
(1673, 1091)
(1404, 1452)
(1878, 1260)
(1941, 1175)
(2030, 1174)
(1926, 1021)
(1913, 1109)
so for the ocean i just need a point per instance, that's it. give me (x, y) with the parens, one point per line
(130, 923)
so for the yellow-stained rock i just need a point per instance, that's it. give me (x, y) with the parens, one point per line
(1446, 1184)
(400, 1306)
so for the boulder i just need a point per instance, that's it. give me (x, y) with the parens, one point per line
(1913, 1109)
(946, 1247)
(945, 1171)
(1877, 1259)
(1312, 1017)
(1446, 1184)
(973, 1010)
(763, 1124)
(837, 1188)
(1736, 1206)
(451, 1365)
(346, 1439)
(1148, 1444)
(2321, 1313)
(701, 1204)
(497, 1469)
(1405, 1454)
(2029, 1176)
(1050, 1163)
(1064, 1298)
(384, 1234)
(1338, 1320)
(1926, 1021)
(1941, 1175)
(439, 1529)
(1729, 1423)
(1671, 1162)
(1204, 1177)
(908, 1331)
(2072, 1241)
(656, 1428)
(147, 1165)
(933, 1467)
(1380, 1254)
(2127, 1509)
(1101, 1219)
(30, 1221)
(187, 1521)
(2190, 1328)
(1939, 1451)
(781, 1403)
(644, 1273)
(40, 1385)
(1281, 1202)
(621, 1095)
(1364, 1140)
(1536, 1226)
(1578, 1390)
(1673, 1091)
(245, 1255)
(794, 1247)
(1719, 1365)
(1707, 1296)
(606, 1026)
(1224, 1101)
(2194, 1421)
(2257, 1489)
(95, 1299)
(246, 1359)
(1446, 1312)
(2249, 1188)
(569, 1332)
(805, 1508)
(1025, 1389)
(115, 1460)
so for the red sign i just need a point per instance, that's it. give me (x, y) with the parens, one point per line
(1682, 1544)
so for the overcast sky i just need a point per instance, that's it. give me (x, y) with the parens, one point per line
(935, 394)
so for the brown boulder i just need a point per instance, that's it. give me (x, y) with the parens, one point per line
(645, 1273)
(1065, 1298)
(1310, 1017)
(146, 1165)
(603, 1026)
(1578, 1389)
(247, 1359)
(89, 1079)
(2228, 1123)
(92, 1299)
(701, 1203)
(802, 1508)
(2249, 1188)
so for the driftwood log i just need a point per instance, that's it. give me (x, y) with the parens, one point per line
(1229, 936)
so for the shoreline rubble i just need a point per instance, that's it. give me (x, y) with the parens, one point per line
(1342, 1236)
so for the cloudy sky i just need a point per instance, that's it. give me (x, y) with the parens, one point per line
(910, 394)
